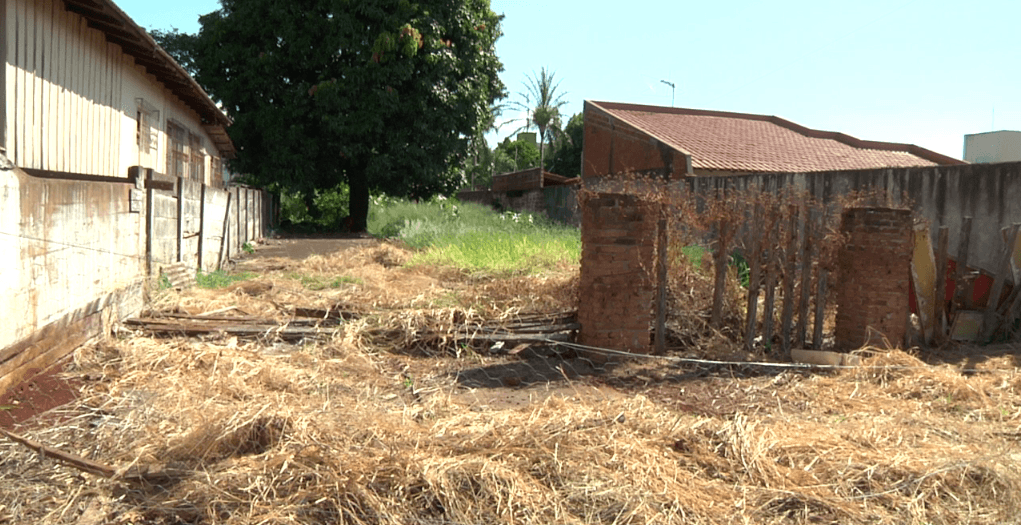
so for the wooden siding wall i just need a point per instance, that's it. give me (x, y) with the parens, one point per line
(71, 96)
(63, 88)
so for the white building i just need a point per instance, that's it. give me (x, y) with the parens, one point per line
(995, 146)
(88, 91)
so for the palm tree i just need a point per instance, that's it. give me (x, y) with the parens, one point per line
(542, 106)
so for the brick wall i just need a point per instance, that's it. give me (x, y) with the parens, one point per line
(618, 234)
(530, 179)
(874, 270)
(611, 147)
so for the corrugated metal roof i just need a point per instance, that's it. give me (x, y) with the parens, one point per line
(743, 142)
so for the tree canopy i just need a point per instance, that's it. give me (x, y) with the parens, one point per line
(566, 158)
(383, 94)
(541, 103)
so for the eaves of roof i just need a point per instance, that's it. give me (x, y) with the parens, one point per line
(120, 29)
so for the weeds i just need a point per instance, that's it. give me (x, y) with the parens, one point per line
(474, 238)
(220, 278)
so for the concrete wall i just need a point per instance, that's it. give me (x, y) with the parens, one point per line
(69, 250)
(76, 254)
(990, 193)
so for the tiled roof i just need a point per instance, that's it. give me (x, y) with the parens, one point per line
(758, 143)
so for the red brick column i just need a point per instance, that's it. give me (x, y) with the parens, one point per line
(618, 234)
(875, 267)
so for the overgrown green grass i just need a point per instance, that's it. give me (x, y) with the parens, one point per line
(220, 278)
(475, 238)
(316, 283)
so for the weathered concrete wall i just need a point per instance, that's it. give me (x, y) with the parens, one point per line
(64, 245)
(990, 193)
(874, 268)
(618, 234)
(75, 254)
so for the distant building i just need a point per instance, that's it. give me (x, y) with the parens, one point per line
(995, 146)
(623, 138)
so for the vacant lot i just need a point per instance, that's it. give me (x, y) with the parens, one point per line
(395, 406)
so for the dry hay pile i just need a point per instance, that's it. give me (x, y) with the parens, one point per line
(346, 431)
(325, 433)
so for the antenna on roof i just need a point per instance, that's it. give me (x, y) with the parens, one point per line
(672, 88)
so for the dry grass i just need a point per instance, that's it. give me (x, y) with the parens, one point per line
(356, 430)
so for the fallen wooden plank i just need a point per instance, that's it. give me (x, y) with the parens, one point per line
(820, 357)
(78, 462)
(283, 332)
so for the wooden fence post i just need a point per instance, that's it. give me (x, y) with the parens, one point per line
(807, 255)
(661, 278)
(788, 281)
(225, 238)
(771, 262)
(941, 284)
(202, 225)
(754, 275)
(180, 220)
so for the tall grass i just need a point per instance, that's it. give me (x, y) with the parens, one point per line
(475, 238)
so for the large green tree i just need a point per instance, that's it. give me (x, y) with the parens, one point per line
(383, 94)
(566, 157)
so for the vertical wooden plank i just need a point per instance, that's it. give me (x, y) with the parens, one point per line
(225, 238)
(990, 321)
(788, 280)
(942, 243)
(661, 277)
(149, 220)
(180, 220)
(820, 308)
(754, 274)
(60, 79)
(962, 290)
(21, 19)
(202, 227)
(807, 255)
(771, 261)
(4, 59)
(29, 143)
(721, 257)
(923, 276)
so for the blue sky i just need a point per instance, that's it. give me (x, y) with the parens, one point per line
(914, 71)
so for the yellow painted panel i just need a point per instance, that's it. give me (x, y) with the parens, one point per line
(923, 273)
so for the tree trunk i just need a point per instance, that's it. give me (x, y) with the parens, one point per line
(358, 202)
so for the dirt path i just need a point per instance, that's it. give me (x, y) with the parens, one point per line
(299, 248)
